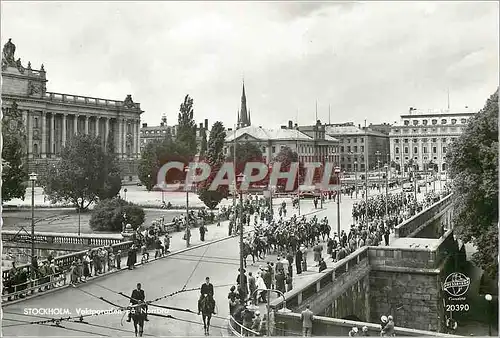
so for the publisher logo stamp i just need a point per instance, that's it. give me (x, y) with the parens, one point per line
(456, 284)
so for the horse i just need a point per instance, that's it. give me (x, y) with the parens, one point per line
(138, 315)
(207, 307)
(248, 250)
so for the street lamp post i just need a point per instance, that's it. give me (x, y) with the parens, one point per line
(79, 202)
(386, 189)
(241, 179)
(125, 194)
(377, 154)
(33, 177)
(356, 177)
(415, 180)
(489, 298)
(298, 191)
(337, 172)
(271, 191)
(188, 231)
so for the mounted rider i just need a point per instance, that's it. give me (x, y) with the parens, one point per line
(138, 297)
(206, 291)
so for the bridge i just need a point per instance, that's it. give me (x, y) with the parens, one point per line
(403, 279)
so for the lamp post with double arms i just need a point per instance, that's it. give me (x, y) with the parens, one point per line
(79, 202)
(241, 179)
(188, 231)
(337, 173)
(356, 177)
(33, 177)
(386, 189)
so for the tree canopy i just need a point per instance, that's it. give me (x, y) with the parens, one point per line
(215, 158)
(473, 166)
(186, 133)
(84, 172)
(14, 171)
(113, 214)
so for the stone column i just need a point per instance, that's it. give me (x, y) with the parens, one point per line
(138, 136)
(64, 130)
(106, 131)
(134, 139)
(29, 130)
(86, 125)
(97, 125)
(52, 132)
(124, 137)
(43, 150)
(75, 124)
(116, 136)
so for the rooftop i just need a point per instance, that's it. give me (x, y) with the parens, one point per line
(350, 130)
(266, 134)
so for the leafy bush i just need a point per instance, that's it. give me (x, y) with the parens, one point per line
(108, 215)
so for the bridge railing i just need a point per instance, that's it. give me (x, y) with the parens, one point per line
(295, 297)
(56, 238)
(392, 257)
(289, 324)
(239, 330)
(409, 227)
(29, 287)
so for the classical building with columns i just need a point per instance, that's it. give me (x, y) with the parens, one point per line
(423, 138)
(51, 119)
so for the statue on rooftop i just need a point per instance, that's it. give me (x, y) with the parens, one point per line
(8, 53)
(128, 102)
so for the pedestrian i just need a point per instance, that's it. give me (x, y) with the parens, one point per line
(118, 260)
(388, 329)
(74, 273)
(166, 242)
(86, 266)
(131, 257)
(232, 299)
(256, 323)
(298, 261)
(307, 318)
(280, 281)
(247, 321)
(353, 332)
(322, 265)
(289, 258)
(203, 230)
(261, 295)
(289, 281)
(317, 252)
(252, 284)
(364, 332)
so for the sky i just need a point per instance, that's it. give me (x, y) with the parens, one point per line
(366, 60)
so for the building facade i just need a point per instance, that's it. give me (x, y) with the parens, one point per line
(271, 141)
(422, 139)
(352, 143)
(52, 119)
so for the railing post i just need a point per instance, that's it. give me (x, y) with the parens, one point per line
(318, 285)
(299, 298)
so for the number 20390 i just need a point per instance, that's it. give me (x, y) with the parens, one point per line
(457, 307)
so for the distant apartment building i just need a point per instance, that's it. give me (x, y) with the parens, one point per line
(424, 137)
(352, 142)
(315, 147)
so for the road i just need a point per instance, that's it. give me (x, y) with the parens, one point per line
(219, 260)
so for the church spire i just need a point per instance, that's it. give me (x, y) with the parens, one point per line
(244, 118)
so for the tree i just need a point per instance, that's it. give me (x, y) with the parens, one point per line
(473, 166)
(84, 172)
(245, 152)
(186, 133)
(155, 154)
(112, 214)
(287, 156)
(14, 171)
(203, 146)
(214, 158)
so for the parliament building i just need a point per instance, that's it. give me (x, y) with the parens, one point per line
(52, 119)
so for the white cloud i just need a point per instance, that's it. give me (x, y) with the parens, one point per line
(368, 60)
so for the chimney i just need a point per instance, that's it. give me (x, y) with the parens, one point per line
(206, 124)
(296, 125)
(144, 125)
(283, 127)
(359, 126)
(201, 126)
(318, 122)
(161, 124)
(290, 124)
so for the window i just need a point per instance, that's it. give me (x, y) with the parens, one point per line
(443, 167)
(397, 159)
(424, 122)
(396, 131)
(36, 122)
(341, 149)
(415, 140)
(264, 149)
(405, 140)
(397, 150)
(434, 140)
(434, 150)
(425, 130)
(415, 131)
(463, 121)
(355, 140)
(355, 149)
(434, 121)
(396, 141)
(453, 121)
(348, 140)
(415, 150)
(425, 150)
(274, 149)
(424, 140)
(362, 140)
(362, 148)
(348, 149)
(443, 121)
(406, 150)
(406, 158)
(407, 122)
(415, 122)
(443, 140)
(444, 150)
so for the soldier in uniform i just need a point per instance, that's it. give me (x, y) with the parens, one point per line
(137, 297)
